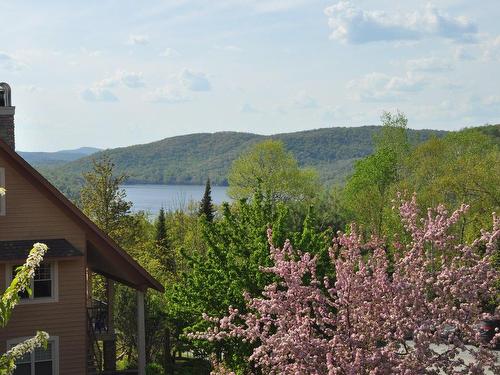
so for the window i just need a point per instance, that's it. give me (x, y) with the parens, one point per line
(2, 197)
(40, 362)
(43, 284)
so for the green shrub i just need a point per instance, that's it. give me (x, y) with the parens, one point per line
(154, 369)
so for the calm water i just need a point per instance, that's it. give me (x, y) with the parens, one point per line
(171, 197)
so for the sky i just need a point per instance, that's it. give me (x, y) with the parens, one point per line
(113, 73)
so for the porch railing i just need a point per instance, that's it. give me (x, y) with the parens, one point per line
(98, 316)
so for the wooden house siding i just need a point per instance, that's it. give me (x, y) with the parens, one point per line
(32, 215)
(65, 318)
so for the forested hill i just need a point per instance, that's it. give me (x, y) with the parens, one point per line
(190, 159)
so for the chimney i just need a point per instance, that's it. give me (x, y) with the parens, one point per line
(6, 115)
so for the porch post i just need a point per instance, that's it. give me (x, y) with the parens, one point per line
(109, 344)
(110, 299)
(89, 287)
(141, 334)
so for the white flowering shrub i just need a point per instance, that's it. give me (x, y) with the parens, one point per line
(10, 299)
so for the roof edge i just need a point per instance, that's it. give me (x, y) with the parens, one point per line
(74, 211)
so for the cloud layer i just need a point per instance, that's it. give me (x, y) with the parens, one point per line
(351, 24)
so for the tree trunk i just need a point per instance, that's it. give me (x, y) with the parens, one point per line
(168, 361)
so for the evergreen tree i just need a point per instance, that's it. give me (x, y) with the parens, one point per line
(206, 206)
(164, 251)
(161, 228)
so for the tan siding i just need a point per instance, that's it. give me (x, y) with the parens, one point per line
(31, 215)
(65, 319)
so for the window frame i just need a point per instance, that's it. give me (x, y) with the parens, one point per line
(54, 271)
(3, 200)
(54, 340)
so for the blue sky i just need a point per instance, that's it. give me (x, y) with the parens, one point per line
(115, 73)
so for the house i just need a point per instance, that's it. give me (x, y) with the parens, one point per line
(81, 329)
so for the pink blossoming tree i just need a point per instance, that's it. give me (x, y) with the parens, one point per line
(415, 316)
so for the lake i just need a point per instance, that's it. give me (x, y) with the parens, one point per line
(171, 197)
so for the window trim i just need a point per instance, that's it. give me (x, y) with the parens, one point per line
(3, 200)
(54, 269)
(54, 340)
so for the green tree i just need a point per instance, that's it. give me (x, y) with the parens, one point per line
(268, 167)
(393, 135)
(163, 250)
(104, 201)
(368, 191)
(237, 249)
(206, 206)
(161, 228)
(214, 280)
(462, 167)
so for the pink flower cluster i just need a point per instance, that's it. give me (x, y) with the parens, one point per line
(417, 316)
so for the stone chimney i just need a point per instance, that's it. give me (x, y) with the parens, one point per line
(6, 116)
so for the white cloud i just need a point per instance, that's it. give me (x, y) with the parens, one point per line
(131, 80)
(167, 95)
(382, 87)
(305, 101)
(100, 91)
(178, 86)
(135, 39)
(170, 52)
(98, 94)
(351, 24)
(9, 62)
(194, 81)
(429, 64)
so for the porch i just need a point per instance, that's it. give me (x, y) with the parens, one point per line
(101, 336)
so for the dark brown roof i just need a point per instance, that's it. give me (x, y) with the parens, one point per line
(19, 249)
(101, 240)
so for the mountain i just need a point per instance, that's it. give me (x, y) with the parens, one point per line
(190, 159)
(81, 151)
(58, 157)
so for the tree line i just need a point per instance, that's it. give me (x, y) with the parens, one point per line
(231, 259)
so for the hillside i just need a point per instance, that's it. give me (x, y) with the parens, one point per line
(58, 157)
(190, 159)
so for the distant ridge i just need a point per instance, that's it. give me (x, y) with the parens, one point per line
(57, 157)
(191, 159)
(81, 151)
